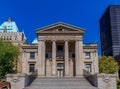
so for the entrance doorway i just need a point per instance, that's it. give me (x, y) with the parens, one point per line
(59, 72)
(60, 68)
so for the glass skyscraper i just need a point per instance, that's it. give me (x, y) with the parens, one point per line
(110, 31)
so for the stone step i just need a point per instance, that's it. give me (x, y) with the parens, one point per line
(63, 88)
(61, 83)
(65, 78)
(58, 79)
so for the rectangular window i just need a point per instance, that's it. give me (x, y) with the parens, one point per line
(87, 55)
(31, 67)
(60, 65)
(60, 48)
(32, 55)
(88, 67)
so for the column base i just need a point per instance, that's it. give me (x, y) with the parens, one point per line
(41, 75)
(79, 76)
(67, 75)
(54, 76)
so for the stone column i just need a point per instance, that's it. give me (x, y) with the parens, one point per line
(54, 69)
(41, 58)
(43, 54)
(78, 58)
(24, 63)
(96, 69)
(66, 59)
(48, 68)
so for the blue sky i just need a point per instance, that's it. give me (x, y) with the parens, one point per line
(32, 14)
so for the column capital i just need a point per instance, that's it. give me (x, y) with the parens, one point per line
(53, 39)
(66, 40)
(77, 40)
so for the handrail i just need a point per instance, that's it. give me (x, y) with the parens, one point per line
(91, 78)
(31, 77)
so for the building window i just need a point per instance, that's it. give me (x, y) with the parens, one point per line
(7, 37)
(88, 67)
(32, 55)
(60, 65)
(87, 55)
(59, 48)
(31, 67)
(10, 37)
(16, 38)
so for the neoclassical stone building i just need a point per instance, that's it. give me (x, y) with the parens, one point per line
(59, 52)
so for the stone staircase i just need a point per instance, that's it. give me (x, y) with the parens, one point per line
(61, 83)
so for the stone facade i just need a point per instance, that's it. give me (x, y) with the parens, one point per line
(107, 81)
(17, 81)
(60, 52)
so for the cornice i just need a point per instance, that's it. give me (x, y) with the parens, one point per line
(29, 46)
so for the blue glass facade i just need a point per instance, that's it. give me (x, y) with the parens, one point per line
(110, 31)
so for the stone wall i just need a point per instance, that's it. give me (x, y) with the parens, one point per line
(20, 80)
(102, 81)
(106, 81)
(17, 81)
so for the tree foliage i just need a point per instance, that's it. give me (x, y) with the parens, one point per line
(108, 65)
(8, 55)
(118, 84)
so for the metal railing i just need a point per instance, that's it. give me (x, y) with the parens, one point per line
(31, 77)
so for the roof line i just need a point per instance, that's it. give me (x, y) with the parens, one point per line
(59, 23)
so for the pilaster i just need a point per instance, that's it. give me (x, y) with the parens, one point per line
(96, 61)
(24, 63)
(66, 59)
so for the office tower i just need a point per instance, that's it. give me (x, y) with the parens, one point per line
(110, 31)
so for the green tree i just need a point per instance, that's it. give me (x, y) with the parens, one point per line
(108, 65)
(8, 56)
(118, 84)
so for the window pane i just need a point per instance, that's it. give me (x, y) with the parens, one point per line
(60, 48)
(60, 65)
(88, 67)
(32, 55)
(31, 67)
(87, 55)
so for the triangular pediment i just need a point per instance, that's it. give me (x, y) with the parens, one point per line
(60, 28)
